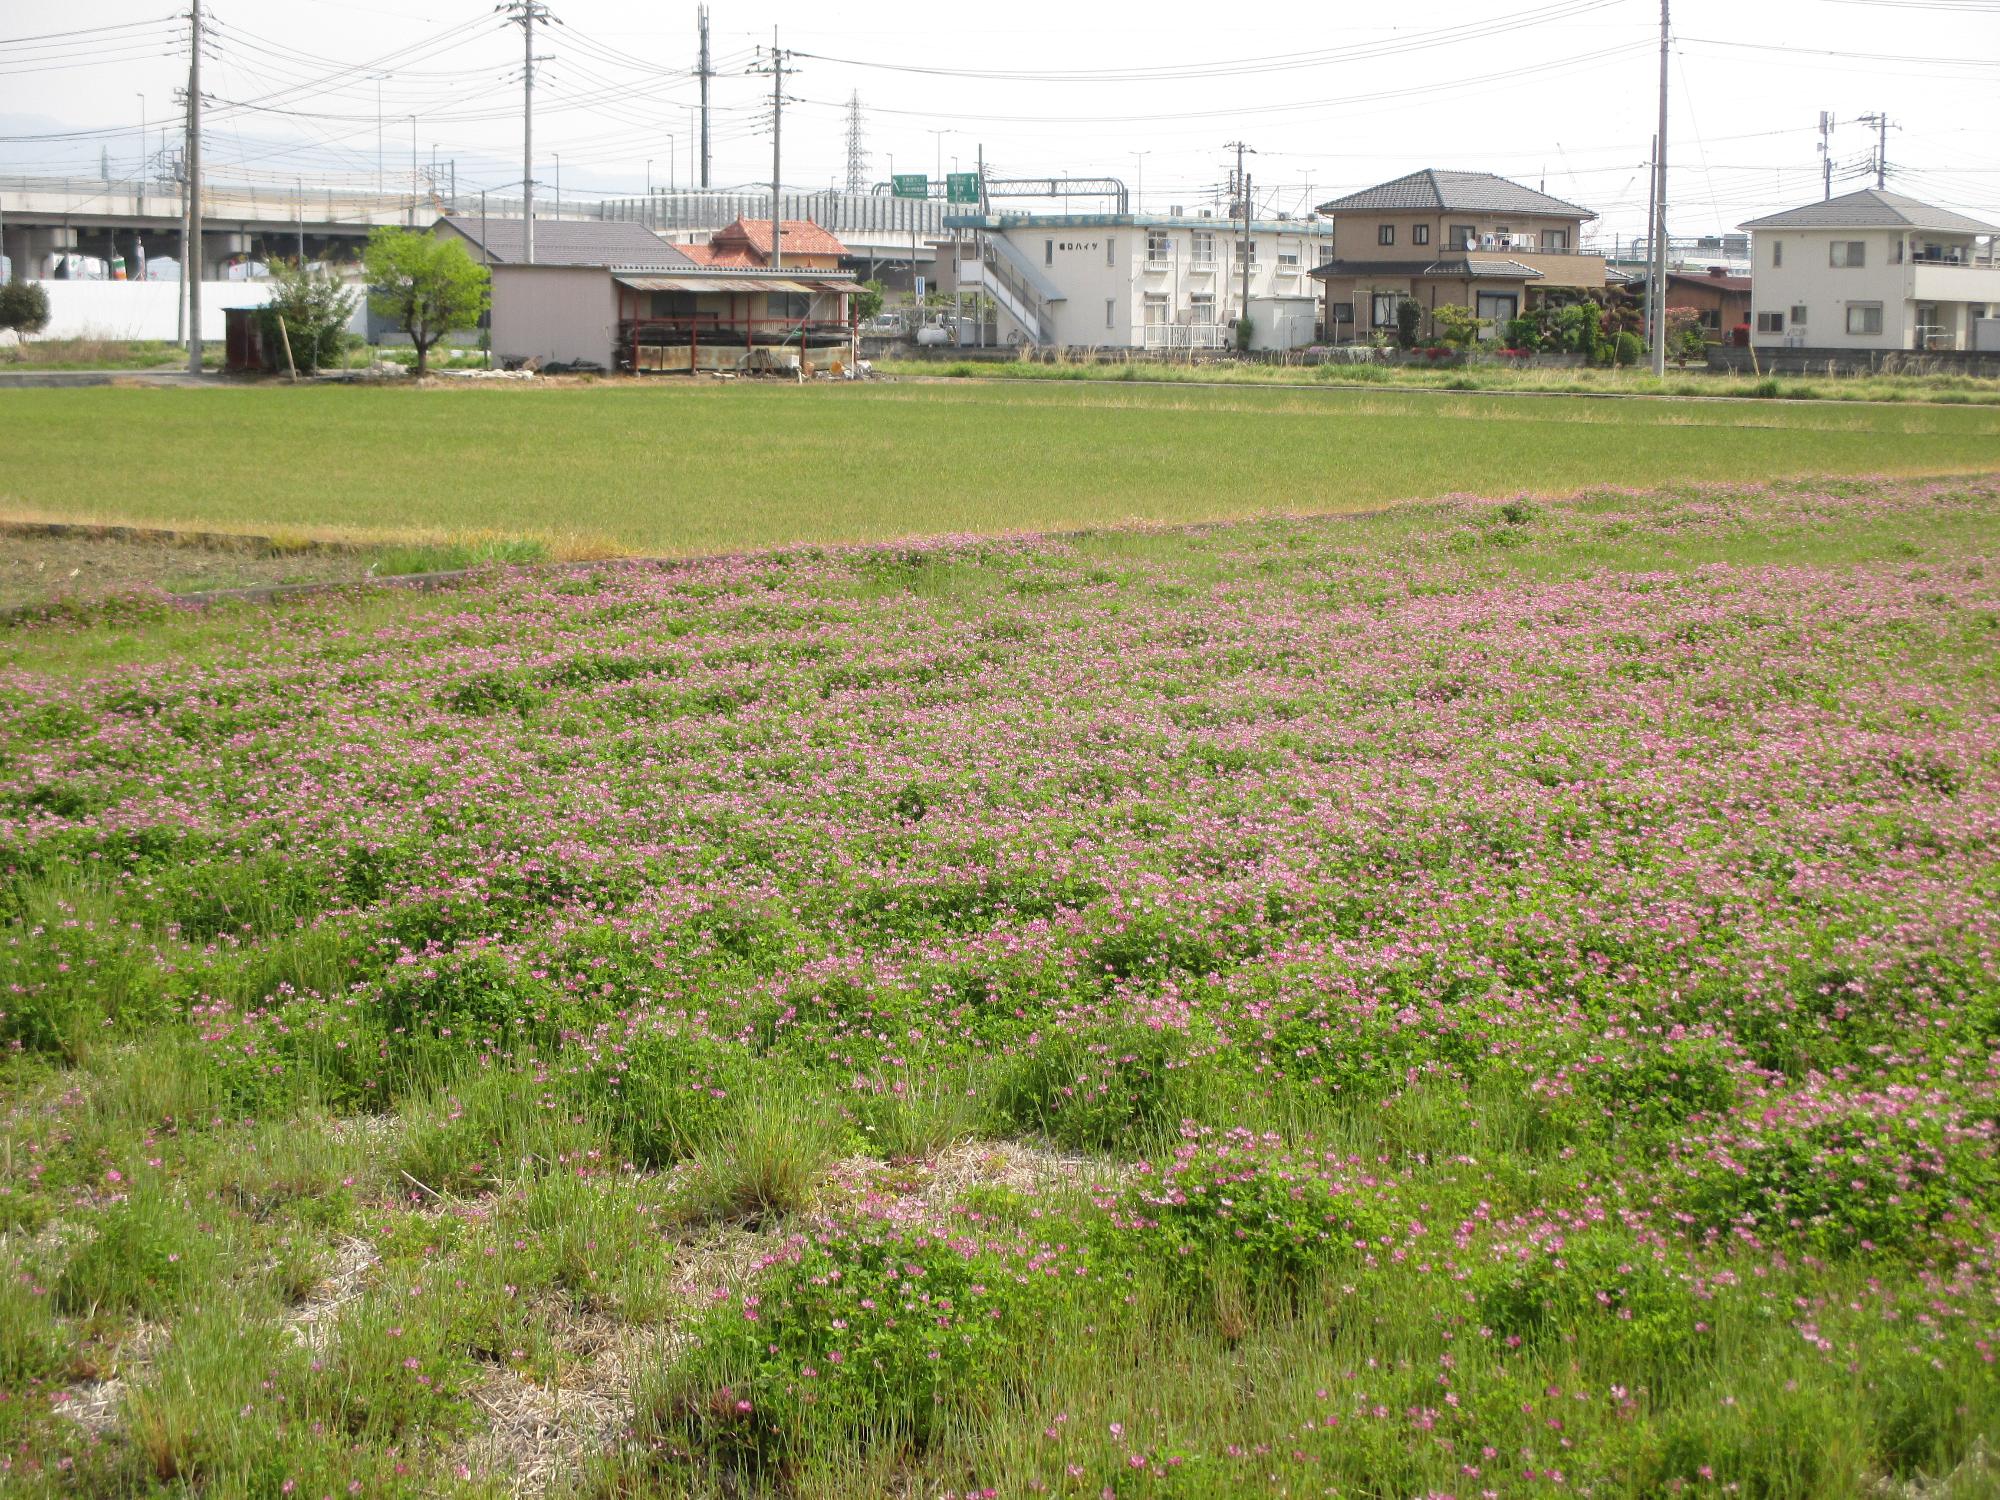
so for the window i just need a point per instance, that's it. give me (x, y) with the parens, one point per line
(1201, 309)
(1385, 309)
(1288, 260)
(1555, 239)
(1246, 250)
(1111, 249)
(1159, 247)
(1204, 247)
(1798, 317)
(1156, 310)
(1385, 234)
(1777, 253)
(1849, 253)
(1110, 312)
(1420, 234)
(1343, 314)
(1464, 237)
(1864, 318)
(1773, 322)
(1711, 318)
(1498, 307)
(1048, 252)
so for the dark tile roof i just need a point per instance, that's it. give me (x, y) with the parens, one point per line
(1454, 192)
(1872, 208)
(569, 242)
(1443, 270)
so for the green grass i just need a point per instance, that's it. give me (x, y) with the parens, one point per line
(103, 354)
(669, 469)
(1949, 390)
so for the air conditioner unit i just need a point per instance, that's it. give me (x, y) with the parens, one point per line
(1175, 211)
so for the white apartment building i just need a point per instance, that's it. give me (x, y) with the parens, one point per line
(1140, 281)
(1872, 270)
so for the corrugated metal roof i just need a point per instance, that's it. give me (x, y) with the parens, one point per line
(568, 242)
(1872, 208)
(715, 284)
(1454, 192)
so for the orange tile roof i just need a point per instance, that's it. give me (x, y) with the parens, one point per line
(801, 237)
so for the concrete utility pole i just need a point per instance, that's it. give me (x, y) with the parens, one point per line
(525, 13)
(1826, 153)
(1660, 199)
(191, 244)
(779, 65)
(707, 72)
(1882, 124)
(1652, 165)
(1243, 187)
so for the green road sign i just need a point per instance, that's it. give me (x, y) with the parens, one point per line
(961, 187)
(907, 186)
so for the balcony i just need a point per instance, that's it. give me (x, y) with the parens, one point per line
(1183, 336)
(1158, 265)
(1968, 280)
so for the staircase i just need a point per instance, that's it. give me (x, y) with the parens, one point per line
(1016, 284)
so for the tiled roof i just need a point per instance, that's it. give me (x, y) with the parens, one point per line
(568, 242)
(1440, 270)
(802, 237)
(1872, 208)
(1455, 192)
(1720, 283)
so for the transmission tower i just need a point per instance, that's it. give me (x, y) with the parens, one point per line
(857, 158)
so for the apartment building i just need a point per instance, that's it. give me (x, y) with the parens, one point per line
(1140, 281)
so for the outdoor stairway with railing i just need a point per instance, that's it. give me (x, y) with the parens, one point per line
(1017, 286)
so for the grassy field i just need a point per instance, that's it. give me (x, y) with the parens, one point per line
(1493, 998)
(1949, 390)
(101, 354)
(672, 469)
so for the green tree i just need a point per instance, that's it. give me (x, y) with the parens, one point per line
(24, 308)
(867, 300)
(1409, 322)
(316, 306)
(1458, 326)
(426, 286)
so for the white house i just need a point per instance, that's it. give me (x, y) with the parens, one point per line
(1139, 281)
(1872, 270)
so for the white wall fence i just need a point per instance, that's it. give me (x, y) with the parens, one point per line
(121, 311)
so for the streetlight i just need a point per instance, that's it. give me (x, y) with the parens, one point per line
(381, 179)
(558, 157)
(142, 137)
(649, 177)
(673, 146)
(940, 134)
(1139, 190)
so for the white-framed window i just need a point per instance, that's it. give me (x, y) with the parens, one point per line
(1201, 309)
(1385, 234)
(1420, 234)
(1157, 315)
(1204, 247)
(1110, 312)
(1385, 309)
(1288, 260)
(1864, 318)
(1798, 315)
(1111, 249)
(1770, 322)
(1159, 247)
(1850, 253)
(1777, 253)
(1498, 307)
(1246, 250)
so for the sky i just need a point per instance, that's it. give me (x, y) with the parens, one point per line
(1559, 94)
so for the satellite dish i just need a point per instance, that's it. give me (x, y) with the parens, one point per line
(1472, 242)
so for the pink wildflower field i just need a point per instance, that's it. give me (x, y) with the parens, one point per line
(1488, 999)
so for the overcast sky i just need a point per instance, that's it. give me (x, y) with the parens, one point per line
(1554, 93)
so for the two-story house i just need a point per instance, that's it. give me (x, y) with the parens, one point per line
(1872, 270)
(1465, 238)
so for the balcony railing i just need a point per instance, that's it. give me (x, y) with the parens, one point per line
(1182, 336)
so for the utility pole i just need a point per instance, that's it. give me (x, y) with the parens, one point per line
(1652, 229)
(779, 65)
(191, 244)
(1826, 153)
(1660, 199)
(414, 189)
(302, 222)
(857, 159)
(1242, 185)
(1882, 124)
(707, 72)
(525, 13)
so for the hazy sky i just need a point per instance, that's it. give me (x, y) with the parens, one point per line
(1334, 96)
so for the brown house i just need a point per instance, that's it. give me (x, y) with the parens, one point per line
(1722, 300)
(747, 242)
(1465, 238)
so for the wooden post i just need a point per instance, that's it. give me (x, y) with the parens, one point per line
(287, 338)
